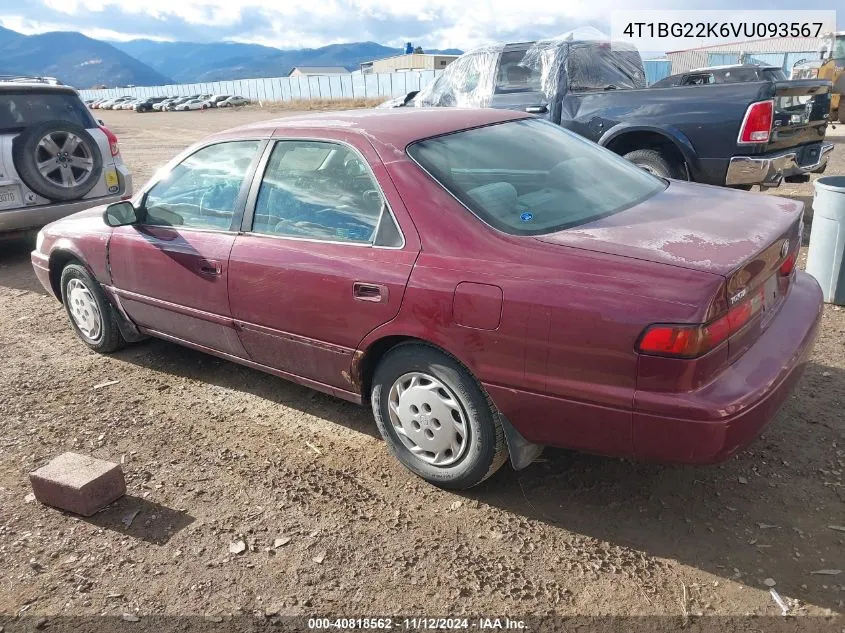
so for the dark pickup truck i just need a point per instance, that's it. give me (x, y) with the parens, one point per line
(736, 134)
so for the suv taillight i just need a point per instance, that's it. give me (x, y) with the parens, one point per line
(757, 124)
(114, 146)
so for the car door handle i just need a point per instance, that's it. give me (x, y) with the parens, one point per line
(210, 267)
(374, 293)
(538, 109)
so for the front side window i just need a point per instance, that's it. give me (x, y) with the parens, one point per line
(531, 177)
(201, 191)
(514, 75)
(319, 190)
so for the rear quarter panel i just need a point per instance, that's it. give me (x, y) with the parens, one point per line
(561, 364)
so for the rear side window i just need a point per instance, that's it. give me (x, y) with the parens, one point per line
(698, 80)
(22, 109)
(321, 191)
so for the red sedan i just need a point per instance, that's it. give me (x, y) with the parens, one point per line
(488, 282)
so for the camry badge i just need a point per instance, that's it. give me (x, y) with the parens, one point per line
(739, 295)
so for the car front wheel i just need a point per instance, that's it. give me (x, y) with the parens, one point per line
(435, 417)
(89, 311)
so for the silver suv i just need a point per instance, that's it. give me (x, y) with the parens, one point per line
(55, 158)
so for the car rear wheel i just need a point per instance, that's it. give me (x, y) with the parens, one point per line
(90, 313)
(654, 162)
(435, 417)
(59, 160)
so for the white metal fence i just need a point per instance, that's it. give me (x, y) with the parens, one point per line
(379, 85)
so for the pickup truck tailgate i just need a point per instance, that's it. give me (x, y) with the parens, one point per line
(801, 113)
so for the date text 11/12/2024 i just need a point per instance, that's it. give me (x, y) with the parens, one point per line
(417, 624)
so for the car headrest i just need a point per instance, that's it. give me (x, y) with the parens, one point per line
(497, 198)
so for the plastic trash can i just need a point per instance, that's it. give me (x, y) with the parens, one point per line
(827, 238)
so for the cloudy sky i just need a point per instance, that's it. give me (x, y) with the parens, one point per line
(310, 23)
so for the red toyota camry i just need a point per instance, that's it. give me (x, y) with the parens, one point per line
(489, 283)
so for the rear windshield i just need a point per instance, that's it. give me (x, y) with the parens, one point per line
(531, 177)
(21, 109)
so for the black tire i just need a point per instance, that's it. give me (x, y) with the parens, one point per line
(485, 449)
(27, 154)
(108, 339)
(655, 162)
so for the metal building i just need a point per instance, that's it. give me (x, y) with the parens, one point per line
(404, 63)
(782, 52)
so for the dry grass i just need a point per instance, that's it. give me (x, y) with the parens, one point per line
(321, 104)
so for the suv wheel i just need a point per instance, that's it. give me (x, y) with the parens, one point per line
(58, 159)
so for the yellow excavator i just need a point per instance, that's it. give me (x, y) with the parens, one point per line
(829, 65)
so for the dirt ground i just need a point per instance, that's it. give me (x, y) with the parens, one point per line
(215, 453)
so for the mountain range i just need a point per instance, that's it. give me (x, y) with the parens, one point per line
(85, 62)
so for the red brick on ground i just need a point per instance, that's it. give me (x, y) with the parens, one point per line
(78, 483)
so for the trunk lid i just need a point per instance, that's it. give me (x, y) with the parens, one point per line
(740, 236)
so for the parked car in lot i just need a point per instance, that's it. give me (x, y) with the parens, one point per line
(738, 134)
(55, 159)
(163, 105)
(487, 282)
(111, 103)
(177, 102)
(192, 104)
(215, 99)
(232, 102)
(146, 105)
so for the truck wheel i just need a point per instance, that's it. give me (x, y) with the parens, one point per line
(654, 162)
(59, 160)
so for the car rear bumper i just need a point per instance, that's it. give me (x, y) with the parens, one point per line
(710, 424)
(770, 169)
(27, 218)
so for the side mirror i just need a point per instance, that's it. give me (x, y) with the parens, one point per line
(120, 214)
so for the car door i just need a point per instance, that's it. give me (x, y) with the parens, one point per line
(322, 260)
(171, 269)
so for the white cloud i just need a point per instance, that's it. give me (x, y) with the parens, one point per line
(297, 23)
(31, 27)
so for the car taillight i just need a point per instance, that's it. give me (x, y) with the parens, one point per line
(693, 340)
(788, 264)
(114, 146)
(757, 124)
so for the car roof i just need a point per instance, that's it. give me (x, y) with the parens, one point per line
(398, 127)
(32, 86)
